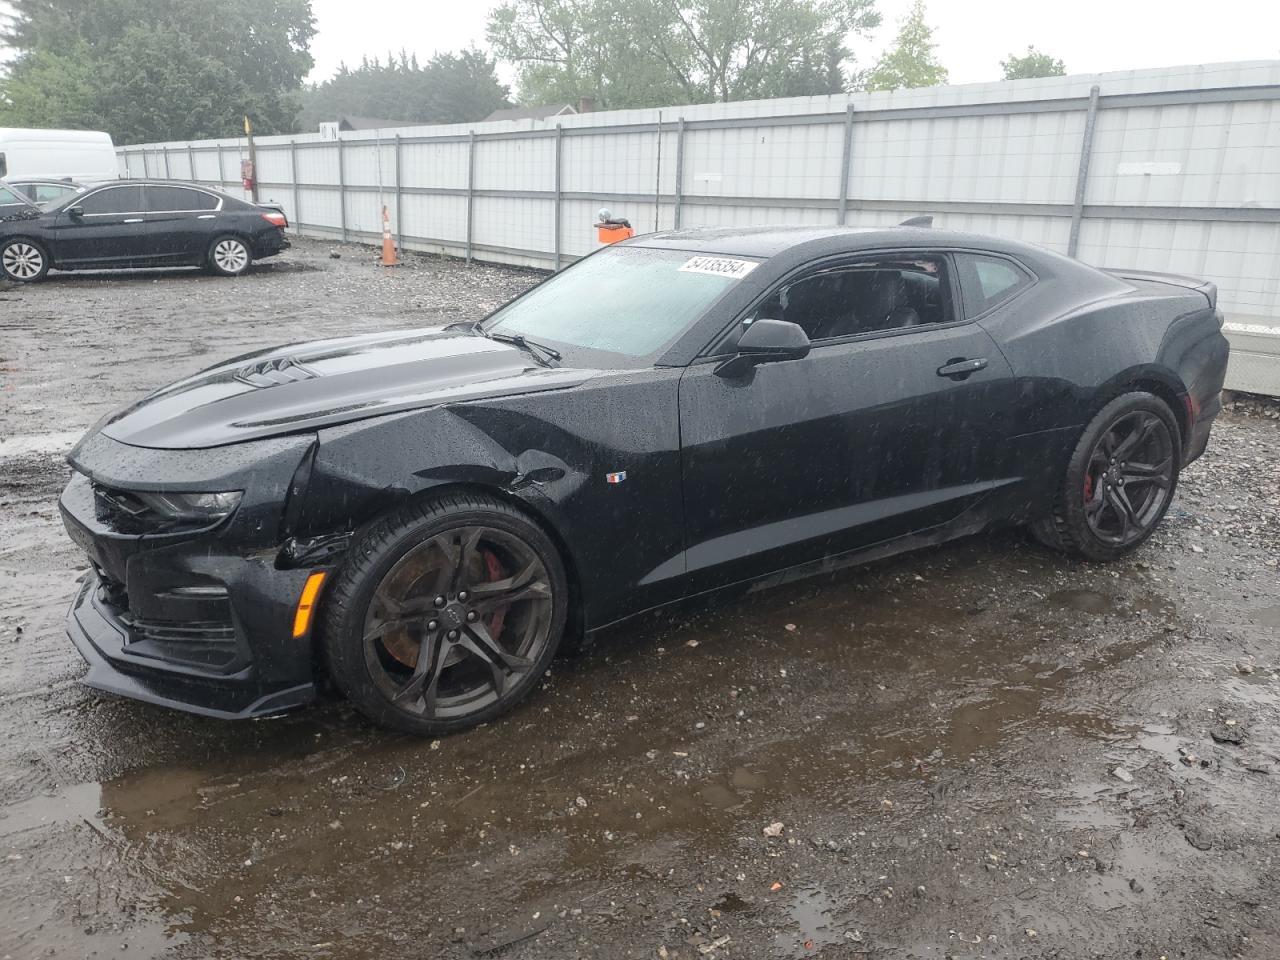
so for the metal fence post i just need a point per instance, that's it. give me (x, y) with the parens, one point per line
(342, 188)
(1082, 175)
(221, 176)
(471, 193)
(165, 151)
(846, 164)
(679, 196)
(191, 162)
(297, 192)
(559, 193)
(657, 178)
(399, 204)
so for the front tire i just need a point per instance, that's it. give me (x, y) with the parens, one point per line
(23, 260)
(229, 256)
(1120, 480)
(445, 615)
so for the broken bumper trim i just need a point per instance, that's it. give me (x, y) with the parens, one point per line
(97, 636)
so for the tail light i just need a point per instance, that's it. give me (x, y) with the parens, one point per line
(276, 219)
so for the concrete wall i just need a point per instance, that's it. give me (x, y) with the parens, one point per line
(1172, 170)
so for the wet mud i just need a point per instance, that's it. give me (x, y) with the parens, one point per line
(983, 750)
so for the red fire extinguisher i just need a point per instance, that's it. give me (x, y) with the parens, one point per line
(246, 173)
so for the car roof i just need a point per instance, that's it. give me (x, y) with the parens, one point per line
(153, 182)
(766, 242)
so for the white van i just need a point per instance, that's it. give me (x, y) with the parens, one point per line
(84, 155)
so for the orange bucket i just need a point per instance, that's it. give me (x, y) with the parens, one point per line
(612, 233)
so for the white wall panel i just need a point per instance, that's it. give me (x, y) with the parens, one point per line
(522, 164)
(435, 217)
(319, 208)
(434, 165)
(318, 164)
(513, 222)
(617, 163)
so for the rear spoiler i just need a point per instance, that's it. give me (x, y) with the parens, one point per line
(1207, 287)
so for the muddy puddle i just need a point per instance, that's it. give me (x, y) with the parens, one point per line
(854, 708)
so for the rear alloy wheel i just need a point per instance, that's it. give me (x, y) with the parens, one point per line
(446, 616)
(1120, 481)
(230, 256)
(23, 261)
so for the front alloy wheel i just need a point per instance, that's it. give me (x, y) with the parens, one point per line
(447, 615)
(23, 262)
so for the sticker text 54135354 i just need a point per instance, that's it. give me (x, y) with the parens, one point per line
(719, 266)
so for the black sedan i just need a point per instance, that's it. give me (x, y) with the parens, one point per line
(125, 224)
(424, 515)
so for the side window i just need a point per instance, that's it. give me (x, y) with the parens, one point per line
(48, 192)
(987, 282)
(866, 296)
(113, 200)
(163, 199)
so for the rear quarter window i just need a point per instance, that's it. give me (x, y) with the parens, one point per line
(162, 199)
(986, 282)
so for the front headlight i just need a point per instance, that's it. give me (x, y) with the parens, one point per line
(204, 507)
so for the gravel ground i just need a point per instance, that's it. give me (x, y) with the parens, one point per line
(984, 750)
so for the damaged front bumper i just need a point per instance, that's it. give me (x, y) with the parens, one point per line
(201, 619)
(106, 641)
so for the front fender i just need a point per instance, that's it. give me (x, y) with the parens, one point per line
(552, 452)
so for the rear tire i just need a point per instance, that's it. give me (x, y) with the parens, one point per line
(1119, 482)
(23, 260)
(445, 615)
(229, 256)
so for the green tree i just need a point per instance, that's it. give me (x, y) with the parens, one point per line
(910, 62)
(1032, 64)
(60, 85)
(634, 53)
(451, 88)
(148, 70)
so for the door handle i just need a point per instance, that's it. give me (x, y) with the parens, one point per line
(959, 368)
(134, 220)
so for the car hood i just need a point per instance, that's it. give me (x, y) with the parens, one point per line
(312, 385)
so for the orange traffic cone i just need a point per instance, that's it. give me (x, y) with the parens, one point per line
(388, 245)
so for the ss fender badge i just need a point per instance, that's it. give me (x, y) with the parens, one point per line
(616, 477)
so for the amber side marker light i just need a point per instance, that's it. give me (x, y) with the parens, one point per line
(307, 604)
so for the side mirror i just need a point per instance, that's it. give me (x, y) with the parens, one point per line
(766, 341)
(76, 212)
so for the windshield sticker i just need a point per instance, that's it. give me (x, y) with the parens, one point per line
(719, 267)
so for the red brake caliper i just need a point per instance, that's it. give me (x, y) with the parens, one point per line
(1088, 488)
(494, 568)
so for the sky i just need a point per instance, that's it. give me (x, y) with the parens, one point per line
(973, 36)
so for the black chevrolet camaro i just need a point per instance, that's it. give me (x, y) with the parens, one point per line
(124, 224)
(422, 516)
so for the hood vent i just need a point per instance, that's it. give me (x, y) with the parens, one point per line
(277, 370)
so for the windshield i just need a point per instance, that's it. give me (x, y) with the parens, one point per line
(623, 300)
